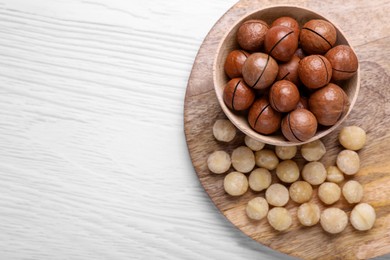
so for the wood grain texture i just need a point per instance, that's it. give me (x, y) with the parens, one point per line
(367, 26)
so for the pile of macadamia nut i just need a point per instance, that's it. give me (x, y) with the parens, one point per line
(253, 165)
(279, 86)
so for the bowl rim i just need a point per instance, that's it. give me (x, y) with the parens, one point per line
(249, 131)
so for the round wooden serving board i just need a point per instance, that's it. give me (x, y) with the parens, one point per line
(367, 25)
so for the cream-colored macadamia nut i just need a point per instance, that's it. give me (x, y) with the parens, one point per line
(279, 218)
(287, 171)
(308, 214)
(314, 173)
(235, 183)
(348, 162)
(334, 174)
(257, 208)
(224, 130)
(243, 159)
(285, 152)
(313, 151)
(352, 138)
(363, 217)
(329, 192)
(300, 191)
(277, 195)
(219, 162)
(266, 158)
(333, 220)
(253, 144)
(260, 179)
(353, 191)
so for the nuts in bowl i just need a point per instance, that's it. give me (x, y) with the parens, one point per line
(285, 75)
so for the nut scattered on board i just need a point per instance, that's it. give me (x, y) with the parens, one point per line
(353, 191)
(348, 162)
(257, 208)
(277, 195)
(243, 159)
(333, 220)
(287, 171)
(224, 130)
(279, 218)
(329, 192)
(260, 179)
(308, 214)
(285, 152)
(253, 143)
(300, 191)
(266, 158)
(314, 173)
(219, 162)
(363, 217)
(352, 138)
(235, 183)
(313, 151)
(334, 174)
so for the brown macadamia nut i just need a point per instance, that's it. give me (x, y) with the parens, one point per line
(277, 195)
(287, 22)
(285, 152)
(313, 151)
(266, 158)
(300, 53)
(334, 174)
(237, 95)
(329, 192)
(314, 173)
(289, 70)
(260, 70)
(281, 42)
(251, 34)
(235, 183)
(348, 162)
(352, 138)
(308, 214)
(315, 71)
(253, 144)
(287, 171)
(284, 96)
(344, 62)
(363, 217)
(300, 191)
(257, 208)
(353, 191)
(299, 125)
(224, 130)
(260, 179)
(279, 218)
(329, 104)
(234, 62)
(317, 36)
(303, 103)
(333, 220)
(219, 162)
(243, 159)
(263, 118)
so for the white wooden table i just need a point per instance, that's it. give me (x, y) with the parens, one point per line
(94, 163)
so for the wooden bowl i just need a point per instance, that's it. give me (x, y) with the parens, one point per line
(229, 43)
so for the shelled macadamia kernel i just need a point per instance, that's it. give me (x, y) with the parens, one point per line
(348, 162)
(353, 191)
(266, 158)
(287, 171)
(260, 179)
(235, 183)
(334, 174)
(257, 208)
(279, 218)
(363, 217)
(243, 159)
(309, 214)
(333, 220)
(219, 162)
(224, 130)
(253, 144)
(329, 192)
(277, 195)
(352, 138)
(300, 191)
(313, 151)
(314, 173)
(285, 152)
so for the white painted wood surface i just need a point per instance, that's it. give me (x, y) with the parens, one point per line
(94, 163)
